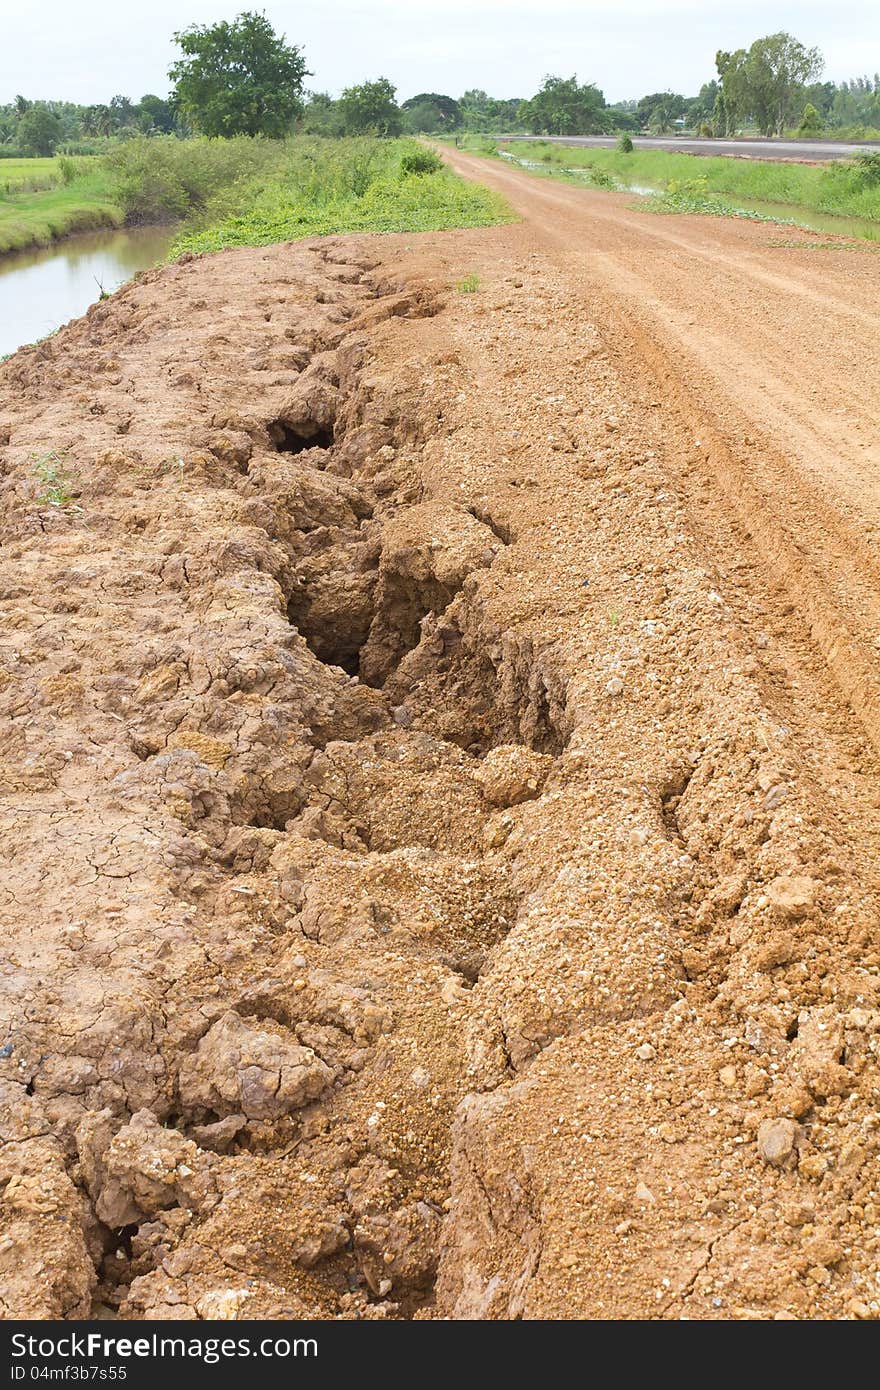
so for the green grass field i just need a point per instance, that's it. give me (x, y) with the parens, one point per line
(843, 189)
(37, 207)
(17, 172)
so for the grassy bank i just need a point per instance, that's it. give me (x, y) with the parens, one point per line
(842, 189)
(242, 192)
(251, 192)
(247, 192)
(38, 216)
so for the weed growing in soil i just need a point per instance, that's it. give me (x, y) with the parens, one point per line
(469, 285)
(51, 472)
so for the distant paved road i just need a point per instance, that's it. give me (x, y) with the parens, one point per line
(749, 149)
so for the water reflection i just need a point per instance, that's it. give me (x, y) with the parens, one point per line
(42, 289)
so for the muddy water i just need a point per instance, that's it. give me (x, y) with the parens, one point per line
(42, 289)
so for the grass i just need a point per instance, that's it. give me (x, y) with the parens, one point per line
(840, 189)
(36, 216)
(314, 187)
(469, 285)
(20, 175)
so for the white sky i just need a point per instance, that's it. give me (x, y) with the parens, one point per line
(87, 50)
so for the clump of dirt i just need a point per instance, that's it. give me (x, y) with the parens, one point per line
(416, 908)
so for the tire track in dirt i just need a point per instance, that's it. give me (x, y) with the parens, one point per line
(747, 371)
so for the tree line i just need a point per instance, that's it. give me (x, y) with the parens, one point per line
(239, 77)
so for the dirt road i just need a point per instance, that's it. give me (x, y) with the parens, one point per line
(762, 348)
(440, 774)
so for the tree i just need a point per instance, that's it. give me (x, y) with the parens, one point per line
(701, 108)
(660, 110)
(423, 117)
(777, 70)
(811, 121)
(39, 130)
(731, 99)
(857, 102)
(156, 114)
(563, 107)
(321, 115)
(372, 106)
(447, 109)
(238, 77)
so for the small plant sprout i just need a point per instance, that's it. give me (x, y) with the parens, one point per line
(469, 285)
(613, 618)
(56, 482)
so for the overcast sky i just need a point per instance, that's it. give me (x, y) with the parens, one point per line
(87, 50)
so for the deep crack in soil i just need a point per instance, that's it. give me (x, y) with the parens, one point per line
(421, 904)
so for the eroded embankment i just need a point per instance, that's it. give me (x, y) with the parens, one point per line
(416, 908)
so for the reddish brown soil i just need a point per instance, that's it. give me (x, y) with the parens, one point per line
(440, 784)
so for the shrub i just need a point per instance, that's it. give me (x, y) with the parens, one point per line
(417, 159)
(811, 121)
(868, 167)
(163, 179)
(624, 143)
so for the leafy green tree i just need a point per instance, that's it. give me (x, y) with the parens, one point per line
(371, 106)
(660, 109)
(422, 117)
(821, 95)
(444, 111)
(238, 77)
(563, 107)
(701, 108)
(731, 100)
(777, 70)
(623, 116)
(322, 115)
(857, 102)
(39, 130)
(811, 121)
(156, 114)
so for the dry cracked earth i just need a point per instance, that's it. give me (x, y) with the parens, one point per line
(429, 891)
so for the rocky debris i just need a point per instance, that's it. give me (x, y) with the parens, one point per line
(257, 1072)
(511, 774)
(142, 1169)
(777, 1141)
(49, 1244)
(792, 896)
(398, 1248)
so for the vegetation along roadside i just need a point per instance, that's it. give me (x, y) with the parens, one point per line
(685, 182)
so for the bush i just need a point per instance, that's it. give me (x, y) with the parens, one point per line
(868, 167)
(419, 160)
(624, 143)
(811, 121)
(163, 179)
